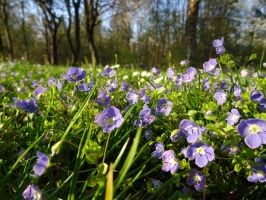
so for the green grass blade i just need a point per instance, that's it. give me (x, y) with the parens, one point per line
(121, 153)
(76, 116)
(20, 158)
(129, 160)
(77, 167)
(109, 186)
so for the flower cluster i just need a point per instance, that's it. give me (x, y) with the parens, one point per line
(218, 44)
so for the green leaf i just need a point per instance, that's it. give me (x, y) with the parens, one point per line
(237, 167)
(192, 112)
(93, 152)
(214, 128)
(252, 57)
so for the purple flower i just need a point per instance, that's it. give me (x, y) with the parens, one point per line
(51, 82)
(237, 91)
(256, 96)
(41, 164)
(132, 97)
(34, 84)
(103, 99)
(159, 150)
(164, 106)
(138, 123)
(59, 85)
(147, 134)
(189, 131)
(108, 72)
(190, 75)
(218, 42)
(196, 179)
(146, 117)
(210, 66)
(155, 71)
(259, 174)
(179, 80)
(110, 119)
(262, 105)
(169, 162)
(111, 86)
(184, 62)
(142, 91)
(206, 84)
(174, 135)
(83, 87)
(29, 106)
(216, 72)
(201, 153)
(145, 99)
(170, 72)
(221, 97)
(75, 74)
(254, 132)
(220, 50)
(233, 117)
(39, 90)
(32, 192)
(124, 86)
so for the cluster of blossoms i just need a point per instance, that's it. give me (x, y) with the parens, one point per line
(189, 131)
(146, 117)
(198, 152)
(170, 163)
(218, 44)
(29, 106)
(210, 67)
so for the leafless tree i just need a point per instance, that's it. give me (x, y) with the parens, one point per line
(191, 30)
(52, 23)
(5, 8)
(75, 48)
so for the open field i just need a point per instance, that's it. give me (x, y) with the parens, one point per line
(118, 133)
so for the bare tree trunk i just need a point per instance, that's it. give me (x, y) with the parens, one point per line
(91, 14)
(52, 23)
(25, 40)
(191, 30)
(47, 42)
(5, 19)
(54, 48)
(68, 29)
(75, 49)
(77, 30)
(2, 49)
(94, 52)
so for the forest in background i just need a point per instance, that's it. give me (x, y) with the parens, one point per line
(135, 32)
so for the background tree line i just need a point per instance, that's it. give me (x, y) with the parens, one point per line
(138, 32)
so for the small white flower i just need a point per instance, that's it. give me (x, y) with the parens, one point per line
(136, 73)
(144, 73)
(115, 66)
(125, 77)
(244, 73)
(158, 80)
